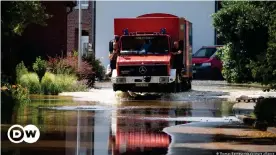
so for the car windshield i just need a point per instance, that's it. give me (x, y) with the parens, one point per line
(205, 52)
(144, 45)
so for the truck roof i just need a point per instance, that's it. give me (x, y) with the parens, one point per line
(147, 24)
(157, 15)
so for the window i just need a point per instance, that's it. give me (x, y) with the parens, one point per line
(205, 52)
(84, 4)
(148, 44)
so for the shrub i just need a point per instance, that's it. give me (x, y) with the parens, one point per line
(78, 86)
(98, 68)
(69, 65)
(30, 81)
(40, 67)
(234, 70)
(49, 85)
(251, 39)
(60, 65)
(20, 70)
(16, 94)
(54, 84)
(65, 82)
(264, 110)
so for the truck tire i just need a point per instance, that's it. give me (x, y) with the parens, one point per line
(115, 87)
(186, 85)
(174, 86)
(189, 84)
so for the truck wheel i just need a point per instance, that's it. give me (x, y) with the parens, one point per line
(115, 87)
(180, 87)
(189, 85)
(186, 85)
(174, 86)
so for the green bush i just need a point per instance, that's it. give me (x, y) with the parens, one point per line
(16, 94)
(79, 86)
(98, 68)
(249, 54)
(54, 84)
(49, 85)
(265, 110)
(66, 82)
(20, 70)
(234, 70)
(40, 67)
(30, 81)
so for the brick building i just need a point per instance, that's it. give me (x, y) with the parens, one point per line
(87, 26)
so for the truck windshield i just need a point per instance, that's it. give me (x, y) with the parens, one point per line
(144, 45)
(205, 53)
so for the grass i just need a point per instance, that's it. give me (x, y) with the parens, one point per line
(52, 84)
(31, 82)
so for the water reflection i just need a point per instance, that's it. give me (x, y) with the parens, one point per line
(100, 132)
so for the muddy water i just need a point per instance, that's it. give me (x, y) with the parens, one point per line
(77, 127)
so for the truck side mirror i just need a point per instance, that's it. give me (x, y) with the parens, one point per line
(111, 46)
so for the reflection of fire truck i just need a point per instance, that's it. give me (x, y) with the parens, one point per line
(132, 134)
(145, 60)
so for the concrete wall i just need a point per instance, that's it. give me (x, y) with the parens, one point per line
(198, 12)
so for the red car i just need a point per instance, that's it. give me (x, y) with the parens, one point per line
(206, 65)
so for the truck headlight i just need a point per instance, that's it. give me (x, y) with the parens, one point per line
(206, 64)
(164, 79)
(120, 80)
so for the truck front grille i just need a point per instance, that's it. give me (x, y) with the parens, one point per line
(147, 70)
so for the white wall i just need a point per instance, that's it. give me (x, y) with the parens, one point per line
(197, 12)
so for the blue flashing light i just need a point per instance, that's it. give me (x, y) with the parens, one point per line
(163, 31)
(125, 31)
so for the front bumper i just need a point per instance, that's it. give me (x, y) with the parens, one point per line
(143, 80)
(151, 87)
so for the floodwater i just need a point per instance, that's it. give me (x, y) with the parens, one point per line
(144, 126)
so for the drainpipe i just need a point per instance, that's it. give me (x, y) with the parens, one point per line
(93, 27)
(80, 30)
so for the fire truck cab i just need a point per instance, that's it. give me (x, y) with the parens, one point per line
(145, 59)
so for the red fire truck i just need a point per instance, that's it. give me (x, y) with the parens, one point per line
(145, 60)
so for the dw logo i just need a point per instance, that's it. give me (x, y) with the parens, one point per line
(18, 134)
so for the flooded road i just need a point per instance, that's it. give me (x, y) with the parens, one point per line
(101, 123)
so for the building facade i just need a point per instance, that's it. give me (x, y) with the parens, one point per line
(87, 26)
(197, 12)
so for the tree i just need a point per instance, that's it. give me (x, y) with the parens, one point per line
(17, 15)
(247, 28)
